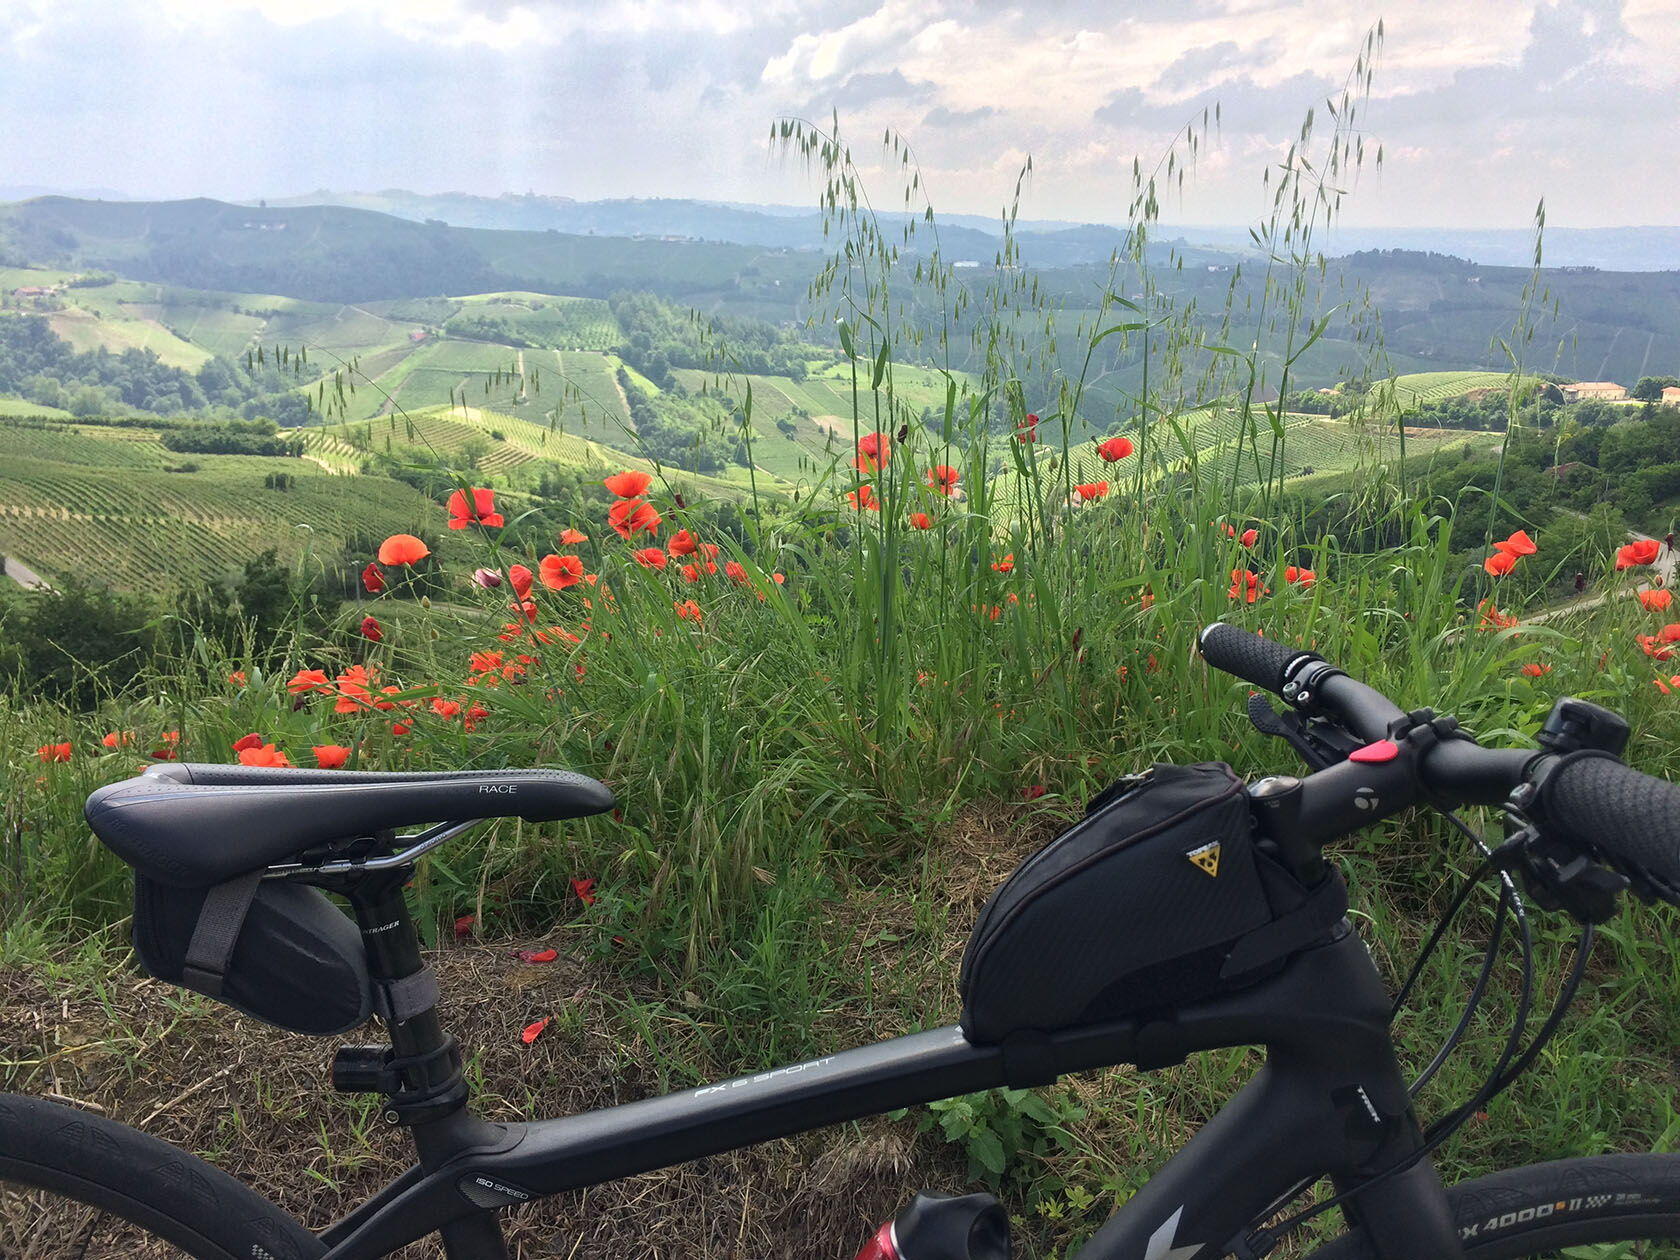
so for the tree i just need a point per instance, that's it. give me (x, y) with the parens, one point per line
(1650, 388)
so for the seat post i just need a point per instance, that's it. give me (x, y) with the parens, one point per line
(445, 1128)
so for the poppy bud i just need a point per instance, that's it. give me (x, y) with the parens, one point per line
(425, 601)
(903, 432)
(679, 500)
(489, 579)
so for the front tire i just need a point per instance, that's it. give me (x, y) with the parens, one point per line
(75, 1184)
(1548, 1210)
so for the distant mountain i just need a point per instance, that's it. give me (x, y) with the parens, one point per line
(1045, 242)
(23, 192)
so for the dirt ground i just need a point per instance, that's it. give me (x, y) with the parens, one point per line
(257, 1102)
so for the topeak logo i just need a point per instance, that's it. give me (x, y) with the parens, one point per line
(1206, 858)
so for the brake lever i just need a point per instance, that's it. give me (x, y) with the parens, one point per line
(1318, 741)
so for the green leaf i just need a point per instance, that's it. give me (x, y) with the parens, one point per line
(984, 1147)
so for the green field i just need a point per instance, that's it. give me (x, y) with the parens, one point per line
(501, 446)
(103, 504)
(23, 407)
(1421, 387)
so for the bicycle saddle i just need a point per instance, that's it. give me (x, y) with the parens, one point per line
(194, 824)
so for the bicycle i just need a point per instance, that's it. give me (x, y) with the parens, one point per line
(1330, 1101)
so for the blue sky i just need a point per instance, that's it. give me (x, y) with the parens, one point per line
(1482, 106)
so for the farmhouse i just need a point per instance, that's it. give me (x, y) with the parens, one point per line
(1605, 391)
(31, 291)
(1671, 394)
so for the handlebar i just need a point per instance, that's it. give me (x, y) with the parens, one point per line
(1600, 806)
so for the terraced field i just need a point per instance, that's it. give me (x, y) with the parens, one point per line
(1421, 387)
(558, 323)
(143, 528)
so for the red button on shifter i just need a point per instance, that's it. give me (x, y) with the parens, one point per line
(1382, 750)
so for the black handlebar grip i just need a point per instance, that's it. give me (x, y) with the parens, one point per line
(1259, 660)
(1630, 818)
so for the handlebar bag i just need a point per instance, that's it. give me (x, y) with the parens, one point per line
(1159, 897)
(279, 951)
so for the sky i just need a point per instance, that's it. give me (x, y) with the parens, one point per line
(1481, 107)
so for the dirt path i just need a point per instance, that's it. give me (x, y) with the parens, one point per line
(22, 575)
(1660, 574)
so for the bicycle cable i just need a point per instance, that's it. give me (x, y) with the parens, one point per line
(1261, 1242)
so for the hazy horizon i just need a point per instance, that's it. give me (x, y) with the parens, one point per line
(1481, 110)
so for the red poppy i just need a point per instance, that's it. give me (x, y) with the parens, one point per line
(253, 740)
(919, 520)
(519, 577)
(479, 510)
(403, 549)
(585, 890)
(863, 499)
(559, 572)
(330, 756)
(54, 752)
(307, 680)
(682, 543)
(1245, 585)
(570, 537)
(1492, 618)
(534, 1030)
(373, 580)
(1033, 791)
(371, 630)
(943, 478)
(264, 755)
(1668, 688)
(691, 573)
(650, 557)
(1500, 563)
(1644, 551)
(1006, 565)
(400, 728)
(1657, 600)
(445, 708)
(1669, 633)
(1115, 449)
(632, 516)
(1027, 430)
(735, 571)
(464, 926)
(1092, 490)
(688, 610)
(1249, 537)
(238, 678)
(1654, 646)
(1518, 544)
(873, 452)
(117, 739)
(710, 550)
(628, 485)
(536, 955)
(1534, 669)
(1299, 577)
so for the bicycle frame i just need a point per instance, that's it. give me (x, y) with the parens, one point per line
(1329, 1101)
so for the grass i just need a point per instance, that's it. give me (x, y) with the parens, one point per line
(823, 773)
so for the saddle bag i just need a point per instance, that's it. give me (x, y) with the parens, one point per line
(1158, 898)
(279, 951)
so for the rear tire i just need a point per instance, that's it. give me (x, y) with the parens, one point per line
(1546, 1210)
(77, 1185)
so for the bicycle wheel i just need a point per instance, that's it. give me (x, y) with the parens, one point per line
(1608, 1207)
(75, 1186)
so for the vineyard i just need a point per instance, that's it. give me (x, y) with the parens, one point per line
(145, 528)
(558, 323)
(1422, 387)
